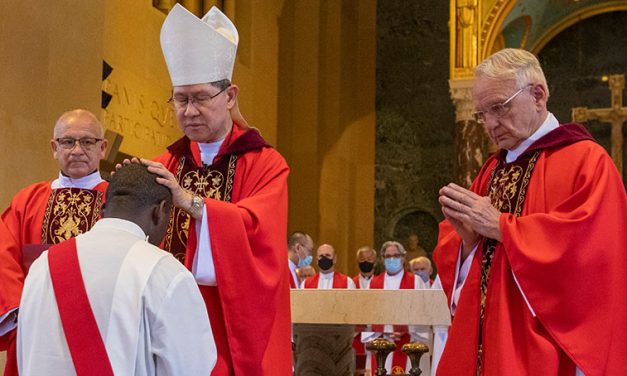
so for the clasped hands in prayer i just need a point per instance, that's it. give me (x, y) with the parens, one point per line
(471, 215)
(181, 198)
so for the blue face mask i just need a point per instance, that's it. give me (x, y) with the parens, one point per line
(393, 265)
(424, 275)
(303, 263)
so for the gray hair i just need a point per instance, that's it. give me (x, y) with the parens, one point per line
(513, 64)
(398, 246)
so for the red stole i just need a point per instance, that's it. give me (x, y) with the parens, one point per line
(399, 359)
(340, 281)
(84, 341)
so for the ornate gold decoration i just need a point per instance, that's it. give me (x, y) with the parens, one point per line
(70, 212)
(507, 192)
(206, 181)
(381, 348)
(414, 351)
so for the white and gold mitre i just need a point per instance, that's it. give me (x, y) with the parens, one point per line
(198, 50)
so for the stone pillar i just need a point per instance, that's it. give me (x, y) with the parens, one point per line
(470, 138)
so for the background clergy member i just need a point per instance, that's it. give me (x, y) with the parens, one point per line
(515, 250)
(50, 212)
(327, 277)
(148, 315)
(366, 260)
(299, 249)
(230, 191)
(396, 278)
(422, 268)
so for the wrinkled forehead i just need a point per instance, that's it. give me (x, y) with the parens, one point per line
(325, 251)
(391, 250)
(487, 91)
(78, 126)
(367, 254)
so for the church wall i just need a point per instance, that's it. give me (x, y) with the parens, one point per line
(415, 119)
(51, 62)
(574, 61)
(326, 121)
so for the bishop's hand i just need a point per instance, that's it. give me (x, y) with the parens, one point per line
(181, 198)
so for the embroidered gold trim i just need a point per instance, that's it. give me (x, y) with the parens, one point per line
(70, 212)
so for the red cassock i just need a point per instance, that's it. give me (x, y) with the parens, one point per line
(250, 308)
(38, 216)
(567, 252)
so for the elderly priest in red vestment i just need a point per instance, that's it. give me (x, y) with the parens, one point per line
(532, 257)
(230, 190)
(50, 212)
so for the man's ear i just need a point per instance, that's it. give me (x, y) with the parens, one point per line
(159, 213)
(231, 94)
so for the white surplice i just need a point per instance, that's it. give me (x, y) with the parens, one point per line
(148, 308)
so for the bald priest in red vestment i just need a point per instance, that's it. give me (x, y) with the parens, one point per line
(230, 190)
(532, 257)
(50, 212)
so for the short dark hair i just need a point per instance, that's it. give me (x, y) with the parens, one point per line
(221, 84)
(136, 188)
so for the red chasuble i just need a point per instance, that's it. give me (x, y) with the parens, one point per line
(567, 252)
(249, 312)
(399, 358)
(37, 217)
(340, 281)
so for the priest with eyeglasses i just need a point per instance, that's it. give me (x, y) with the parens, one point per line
(532, 257)
(50, 212)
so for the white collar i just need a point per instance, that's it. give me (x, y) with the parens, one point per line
(120, 224)
(548, 125)
(326, 275)
(208, 151)
(364, 278)
(291, 265)
(396, 276)
(86, 182)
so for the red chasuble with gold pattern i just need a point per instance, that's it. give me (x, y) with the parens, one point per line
(564, 214)
(247, 214)
(37, 217)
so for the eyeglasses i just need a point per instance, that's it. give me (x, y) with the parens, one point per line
(497, 110)
(201, 100)
(397, 255)
(87, 143)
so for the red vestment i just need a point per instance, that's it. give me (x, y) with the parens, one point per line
(571, 231)
(22, 233)
(340, 281)
(399, 358)
(250, 308)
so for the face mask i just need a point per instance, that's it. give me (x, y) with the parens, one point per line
(366, 267)
(303, 263)
(393, 265)
(325, 263)
(423, 274)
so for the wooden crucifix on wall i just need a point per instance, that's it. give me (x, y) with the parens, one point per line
(616, 115)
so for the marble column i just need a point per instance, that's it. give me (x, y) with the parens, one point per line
(471, 142)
